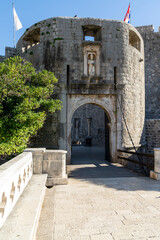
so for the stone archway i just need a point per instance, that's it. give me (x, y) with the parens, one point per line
(107, 103)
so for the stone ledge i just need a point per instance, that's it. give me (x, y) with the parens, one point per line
(90, 78)
(84, 43)
(56, 181)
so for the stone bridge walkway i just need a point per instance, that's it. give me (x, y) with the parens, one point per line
(105, 201)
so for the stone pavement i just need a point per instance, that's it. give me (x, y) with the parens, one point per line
(88, 162)
(118, 207)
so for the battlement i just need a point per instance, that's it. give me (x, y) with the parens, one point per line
(145, 29)
(10, 52)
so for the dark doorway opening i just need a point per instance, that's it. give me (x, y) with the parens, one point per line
(90, 135)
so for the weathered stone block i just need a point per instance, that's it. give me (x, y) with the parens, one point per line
(37, 154)
(154, 175)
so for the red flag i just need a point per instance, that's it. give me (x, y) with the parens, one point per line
(128, 15)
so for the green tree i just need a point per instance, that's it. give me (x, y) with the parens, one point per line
(25, 98)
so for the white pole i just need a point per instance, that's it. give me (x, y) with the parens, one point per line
(13, 28)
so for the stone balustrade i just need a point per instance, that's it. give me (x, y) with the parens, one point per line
(16, 173)
(14, 176)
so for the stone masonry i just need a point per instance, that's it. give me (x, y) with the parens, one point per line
(152, 134)
(152, 85)
(152, 71)
(97, 62)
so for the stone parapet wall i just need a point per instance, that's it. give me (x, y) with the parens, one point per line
(14, 177)
(145, 29)
(51, 162)
(16, 173)
(152, 134)
(11, 52)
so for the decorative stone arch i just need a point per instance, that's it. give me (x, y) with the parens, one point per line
(107, 104)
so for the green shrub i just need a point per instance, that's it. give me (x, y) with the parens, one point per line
(25, 99)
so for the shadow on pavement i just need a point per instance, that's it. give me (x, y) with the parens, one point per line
(88, 165)
(88, 162)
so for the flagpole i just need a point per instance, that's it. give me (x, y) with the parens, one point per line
(13, 28)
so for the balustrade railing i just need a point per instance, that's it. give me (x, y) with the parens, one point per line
(14, 176)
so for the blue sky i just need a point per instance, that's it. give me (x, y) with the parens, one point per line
(143, 12)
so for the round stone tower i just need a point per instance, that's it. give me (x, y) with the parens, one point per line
(96, 61)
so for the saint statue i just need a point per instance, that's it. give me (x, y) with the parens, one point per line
(91, 64)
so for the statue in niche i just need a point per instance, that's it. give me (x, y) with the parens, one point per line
(91, 64)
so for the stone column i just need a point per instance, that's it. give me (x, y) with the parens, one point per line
(156, 173)
(85, 65)
(98, 64)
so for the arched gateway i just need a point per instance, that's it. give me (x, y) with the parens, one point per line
(107, 104)
(96, 61)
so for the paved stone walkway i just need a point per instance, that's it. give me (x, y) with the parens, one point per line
(107, 208)
(88, 162)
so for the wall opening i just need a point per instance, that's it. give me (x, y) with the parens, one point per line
(33, 36)
(91, 33)
(90, 135)
(31, 39)
(134, 40)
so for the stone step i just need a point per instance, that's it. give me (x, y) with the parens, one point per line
(23, 220)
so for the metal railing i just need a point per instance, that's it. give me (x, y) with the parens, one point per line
(143, 156)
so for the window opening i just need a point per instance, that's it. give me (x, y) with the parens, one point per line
(134, 40)
(91, 33)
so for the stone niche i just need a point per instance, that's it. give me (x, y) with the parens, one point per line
(91, 59)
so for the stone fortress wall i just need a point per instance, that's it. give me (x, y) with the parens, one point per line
(152, 85)
(106, 71)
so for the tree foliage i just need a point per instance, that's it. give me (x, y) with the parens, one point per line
(25, 98)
